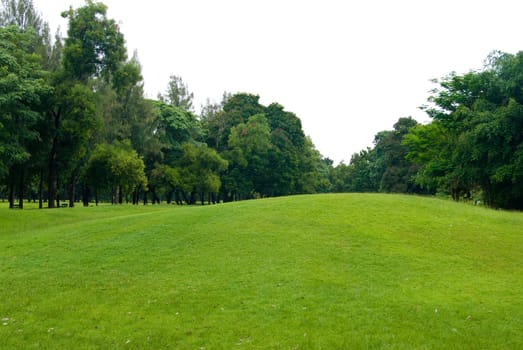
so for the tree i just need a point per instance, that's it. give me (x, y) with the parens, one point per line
(94, 46)
(75, 122)
(314, 171)
(383, 168)
(433, 148)
(267, 150)
(478, 126)
(94, 49)
(44, 56)
(23, 90)
(120, 101)
(361, 175)
(167, 181)
(178, 94)
(210, 110)
(200, 168)
(249, 145)
(178, 126)
(396, 172)
(236, 110)
(22, 14)
(115, 167)
(287, 156)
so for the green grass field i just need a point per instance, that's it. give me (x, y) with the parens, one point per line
(354, 271)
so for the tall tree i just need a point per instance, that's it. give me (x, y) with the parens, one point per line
(236, 110)
(22, 14)
(178, 94)
(396, 172)
(178, 126)
(249, 144)
(23, 89)
(433, 147)
(478, 123)
(94, 49)
(287, 157)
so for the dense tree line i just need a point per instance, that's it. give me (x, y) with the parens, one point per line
(74, 125)
(383, 168)
(474, 144)
(472, 149)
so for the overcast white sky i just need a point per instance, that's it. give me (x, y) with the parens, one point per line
(348, 69)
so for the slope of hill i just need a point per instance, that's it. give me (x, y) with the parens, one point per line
(324, 272)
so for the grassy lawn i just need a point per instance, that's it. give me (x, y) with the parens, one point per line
(354, 271)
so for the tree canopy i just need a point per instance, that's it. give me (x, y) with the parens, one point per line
(74, 123)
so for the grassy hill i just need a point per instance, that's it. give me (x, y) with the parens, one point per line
(355, 271)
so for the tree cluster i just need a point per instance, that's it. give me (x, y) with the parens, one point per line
(474, 144)
(472, 149)
(75, 125)
(383, 168)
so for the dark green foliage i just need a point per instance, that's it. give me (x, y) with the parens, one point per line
(472, 149)
(248, 153)
(397, 173)
(94, 44)
(115, 167)
(200, 168)
(74, 119)
(23, 92)
(236, 110)
(94, 52)
(165, 181)
(361, 175)
(474, 142)
(177, 127)
(73, 112)
(267, 150)
(383, 168)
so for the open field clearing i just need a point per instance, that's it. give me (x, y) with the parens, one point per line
(348, 271)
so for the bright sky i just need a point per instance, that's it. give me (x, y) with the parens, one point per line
(348, 69)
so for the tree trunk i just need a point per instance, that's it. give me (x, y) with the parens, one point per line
(11, 194)
(135, 196)
(71, 188)
(41, 190)
(113, 195)
(145, 197)
(177, 199)
(52, 183)
(21, 190)
(85, 195)
(120, 195)
(184, 195)
(53, 166)
(155, 197)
